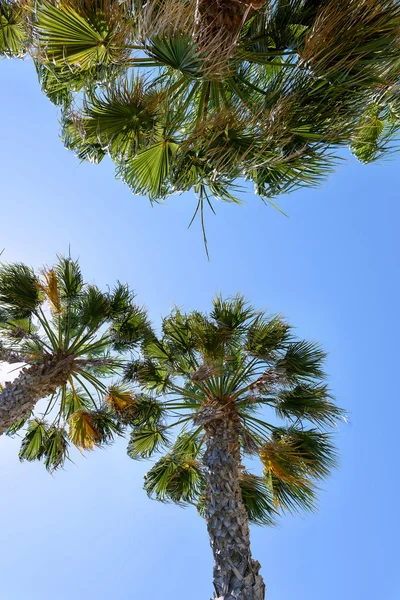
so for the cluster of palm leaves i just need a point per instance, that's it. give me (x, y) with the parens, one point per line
(200, 94)
(71, 337)
(234, 360)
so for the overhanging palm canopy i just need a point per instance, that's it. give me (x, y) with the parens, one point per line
(70, 337)
(203, 94)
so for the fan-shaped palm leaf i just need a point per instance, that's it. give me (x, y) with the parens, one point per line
(13, 29)
(146, 440)
(81, 35)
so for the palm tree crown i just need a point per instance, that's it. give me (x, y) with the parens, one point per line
(200, 94)
(70, 337)
(241, 369)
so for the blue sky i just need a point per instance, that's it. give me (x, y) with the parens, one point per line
(331, 269)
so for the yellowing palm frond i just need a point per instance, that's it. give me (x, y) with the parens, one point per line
(119, 399)
(281, 460)
(82, 432)
(50, 288)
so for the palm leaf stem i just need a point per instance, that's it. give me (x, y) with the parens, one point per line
(43, 321)
(97, 384)
(185, 392)
(79, 380)
(241, 374)
(50, 405)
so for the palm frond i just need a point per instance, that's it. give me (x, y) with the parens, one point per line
(75, 400)
(377, 130)
(121, 300)
(15, 427)
(90, 429)
(302, 361)
(175, 478)
(149, 375)
(353, 41)
(178, 52)
(94, 307)
(120, 399)
(19, 289)
(266, 336)
(129, 326)
(144, 441)
(311, 402)
(231, 314)
(33, 444)
(81, 35)
(178, 333)
(119, 119)
(258, 499)
(290, 496)
(69, 277)
(298, 455)
(147, 172)
(74, 139)
(55, 449)
(13, 29)
(50, 289)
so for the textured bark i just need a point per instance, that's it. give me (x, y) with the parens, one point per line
(236, 574)
(9, 356)
(19, 397)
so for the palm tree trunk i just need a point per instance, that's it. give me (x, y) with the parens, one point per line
(19, 397)
(236, 574)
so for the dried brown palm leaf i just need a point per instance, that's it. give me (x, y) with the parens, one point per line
(166, 18)
(353, 35)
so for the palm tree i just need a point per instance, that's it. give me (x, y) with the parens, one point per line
(220, 382)
(70, 336)
(203, 94)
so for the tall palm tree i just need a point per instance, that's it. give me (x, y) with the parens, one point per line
(203, 94)
(217, 385)
(68, 336)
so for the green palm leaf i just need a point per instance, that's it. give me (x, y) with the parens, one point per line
(175, 478)
(366, 141)
(308, 401)
(258, 499)
(291, 496)
(74, 139)
(13, 29)
(303, 361)
(69, 278)
(75, 400)
(178, 52)
(33, 444)
(146, 440)
(81, 39)
(149, 375)
(266, 336)
(19, 289)
(148, 171)
(119, 119)
(55, 449)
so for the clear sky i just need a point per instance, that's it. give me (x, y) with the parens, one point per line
(332, 269)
